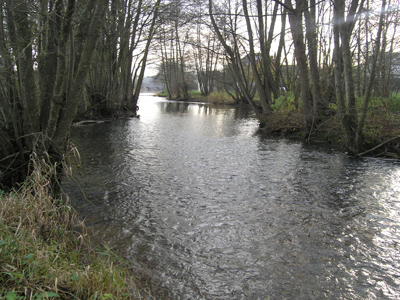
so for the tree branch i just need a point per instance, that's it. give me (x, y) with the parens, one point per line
(380, 145)
(285, 6)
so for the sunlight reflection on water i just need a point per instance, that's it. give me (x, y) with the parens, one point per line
(195, 196)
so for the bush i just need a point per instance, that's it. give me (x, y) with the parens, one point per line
(393, 102)
(285, 103)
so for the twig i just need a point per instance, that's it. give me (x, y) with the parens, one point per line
(380, 145)
(10, 156)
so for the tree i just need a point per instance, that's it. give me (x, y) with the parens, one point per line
(359, 134)
(206, 53)
(31, 123)
(173, 34)
(346, 103)
(296, 27)
(312, 42)
(233, 53)
(120, 58)
(262, 84)
(47, 50)
(146, 51)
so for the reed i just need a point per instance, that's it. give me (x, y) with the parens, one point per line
(45, 251)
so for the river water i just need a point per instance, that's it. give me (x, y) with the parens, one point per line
(198, 198)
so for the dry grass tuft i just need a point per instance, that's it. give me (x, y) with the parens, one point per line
(220, 98)
(45, 251)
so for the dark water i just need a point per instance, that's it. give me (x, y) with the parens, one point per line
(199, 199)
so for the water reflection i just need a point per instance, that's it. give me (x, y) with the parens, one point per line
(214, 210)
(174, 107)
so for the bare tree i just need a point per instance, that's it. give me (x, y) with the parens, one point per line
(233, 54)
(296, 27)
(359, 135)
(346, 102)
(47, 49)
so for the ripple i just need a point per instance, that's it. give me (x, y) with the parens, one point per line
(214, 210)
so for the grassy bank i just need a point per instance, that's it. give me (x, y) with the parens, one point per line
(196, 96)
(381, 127)
(45, 252)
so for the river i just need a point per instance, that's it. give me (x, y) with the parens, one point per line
(196, 196)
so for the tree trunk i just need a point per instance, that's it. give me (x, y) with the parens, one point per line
(360, 135)
(233, 57)
(26, 72)
(338, 71)
(278, 65)
(311, 35)
(263, 92)
(58, 85)
(342, 33)
(146, 52)
(68, 111)
(296, 26)
(47, 58)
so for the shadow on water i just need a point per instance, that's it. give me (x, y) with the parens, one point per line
(193, 195)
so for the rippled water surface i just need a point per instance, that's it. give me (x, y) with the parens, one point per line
(197, 197)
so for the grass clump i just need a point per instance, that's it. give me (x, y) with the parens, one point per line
(393, 102)
(162, 94)
(195, 94)
(45, 252)
(220, 97)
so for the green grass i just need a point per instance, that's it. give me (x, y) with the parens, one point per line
(393, 102)
(162, 94)
(390, 104)
(45, 251)
(192, 94)
(220, 97)
(195, 94)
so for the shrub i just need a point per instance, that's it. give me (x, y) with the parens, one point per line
(393, 102)
(285, 103)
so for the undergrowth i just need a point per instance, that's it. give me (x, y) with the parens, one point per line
(220, 98)
(45, 252)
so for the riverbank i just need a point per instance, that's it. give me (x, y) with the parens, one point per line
(195, 96)
(46, 252)
(381, 129)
